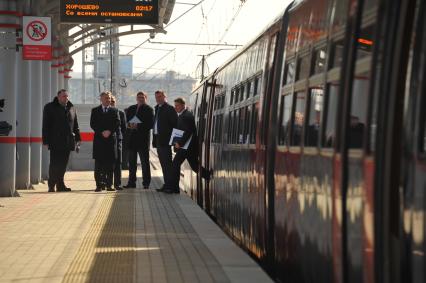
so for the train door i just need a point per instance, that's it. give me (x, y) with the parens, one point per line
(412, 183)
(370, 139)
(204, 131)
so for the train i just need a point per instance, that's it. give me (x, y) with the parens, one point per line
(316, 134)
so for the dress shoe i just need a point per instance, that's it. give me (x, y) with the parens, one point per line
(98, 190)
(109, 189)
(130, 186)
(118, 188)
(51, 189)
(162, 189)
(169, 191)
(65, 189)
(146, 187)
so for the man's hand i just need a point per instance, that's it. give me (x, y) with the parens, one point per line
(106, 133)
(177, 146)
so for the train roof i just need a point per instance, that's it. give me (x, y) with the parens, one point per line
(246, 46)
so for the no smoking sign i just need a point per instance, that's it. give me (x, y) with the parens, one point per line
(37, 43)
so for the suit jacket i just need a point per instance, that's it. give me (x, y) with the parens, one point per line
(60, 126)
(166, 118)
(121, 131)
(105, 149)
(140, 137)
(186, 123)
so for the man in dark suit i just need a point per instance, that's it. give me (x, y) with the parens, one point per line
(105, 121)
(60, 134)
(164, 121)
(121, 132)
(140, 118)
(186, 147)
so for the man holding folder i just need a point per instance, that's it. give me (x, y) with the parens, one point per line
(185, 142)
(140, 120)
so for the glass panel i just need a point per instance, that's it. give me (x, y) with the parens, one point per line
(330, 128)
(337, 53)
(319, 61)
(249, 90)
(315, 113)
(242, 89)
(246, 133)
(232, 97)
(241, 116)
(286, 104)
(230, 125)
(289, 73)
(303, 68)
(257, 86)
(235, 128)
(254, 118)
(359, 104)
(237, 95)
(298, 119)
(365, 42)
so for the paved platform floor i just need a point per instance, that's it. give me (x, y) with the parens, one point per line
(133, 235)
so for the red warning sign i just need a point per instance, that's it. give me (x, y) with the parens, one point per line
(37, 43)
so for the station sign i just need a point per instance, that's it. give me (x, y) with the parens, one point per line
(109, 11)
(36, 38)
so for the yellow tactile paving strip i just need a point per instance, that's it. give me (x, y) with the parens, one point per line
(107, 253)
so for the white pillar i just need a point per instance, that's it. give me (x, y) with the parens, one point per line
(36, 121)
(46, 89)
(23, 123)
(8, 92)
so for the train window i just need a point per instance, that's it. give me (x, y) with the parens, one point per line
(330, 127)
(358, 116)
(254, 118)
(289, 73)
(256, 86)
(319, 61)
(242, 89)
(219, 128)
(237, 95)
(232, 97)
(365, 42)
(315, 113)
(235, 128)
(230, 120)
(298, 118)
(340, 13)
(303, 68)
(249, 90)
(285, 115)
(241, 115)
(337, 53)
(246, 133)
(222, 105)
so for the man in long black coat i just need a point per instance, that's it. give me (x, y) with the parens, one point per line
(164, 121)
(186, 147)
(60, 134)
(121, 133)
(104, 121)
(139, 139)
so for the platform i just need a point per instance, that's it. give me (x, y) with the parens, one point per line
(133, 235)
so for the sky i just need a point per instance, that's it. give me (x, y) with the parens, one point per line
(213, 21)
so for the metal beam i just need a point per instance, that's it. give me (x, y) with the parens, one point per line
(115, 35)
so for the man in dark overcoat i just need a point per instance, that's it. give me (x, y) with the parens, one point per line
(104, 120)
(140, 118)
(186, 147)
(121, 133)
(60, 134)
(165, 120)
